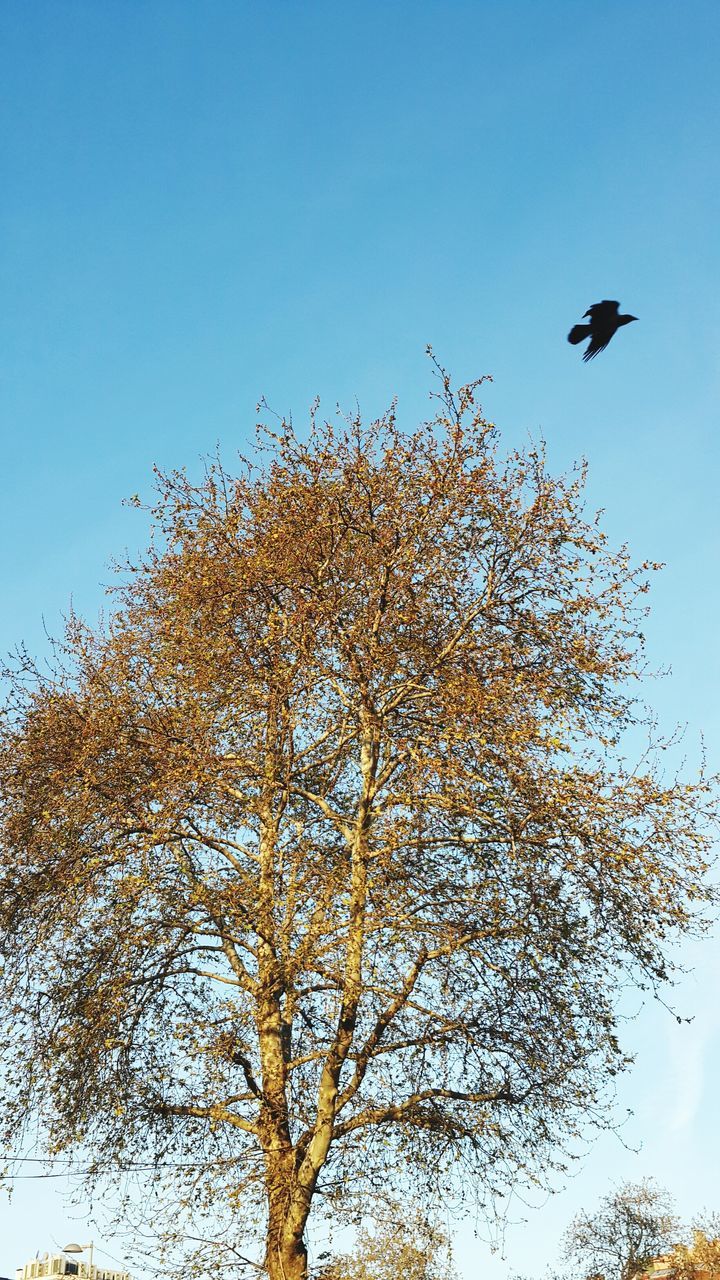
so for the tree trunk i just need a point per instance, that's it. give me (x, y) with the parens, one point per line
(286, 1260)
(285, 1250)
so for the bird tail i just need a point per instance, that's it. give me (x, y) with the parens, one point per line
(578, 333)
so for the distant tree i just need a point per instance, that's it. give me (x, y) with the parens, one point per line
(408, 1248)
(702, 1255)
(631, 1226)
(320, 862)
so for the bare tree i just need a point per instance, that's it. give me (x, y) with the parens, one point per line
(399, 1247)
(320, 862)
(632, 1225)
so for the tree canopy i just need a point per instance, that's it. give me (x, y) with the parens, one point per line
(398, 1247)
(320, 861)
(698, 1258)
(635, 1232)
(633, 1224)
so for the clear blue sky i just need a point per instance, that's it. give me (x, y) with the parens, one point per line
(206, 203)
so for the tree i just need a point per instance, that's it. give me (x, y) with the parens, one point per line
(399, 1248)
(700, 1258)
(320, 861)
(633, 1224)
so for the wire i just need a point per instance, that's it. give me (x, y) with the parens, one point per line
(29, 1177)
(74, 1168)
(40, 1159)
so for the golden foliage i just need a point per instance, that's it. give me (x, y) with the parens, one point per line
(320, 862)
(699, 1260)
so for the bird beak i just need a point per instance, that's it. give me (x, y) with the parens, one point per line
(632, 317)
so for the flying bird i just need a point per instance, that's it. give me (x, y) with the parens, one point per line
(604, 323)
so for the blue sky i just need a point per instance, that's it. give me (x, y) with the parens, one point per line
(206, 203)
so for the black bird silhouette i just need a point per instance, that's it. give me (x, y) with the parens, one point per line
(604, 323)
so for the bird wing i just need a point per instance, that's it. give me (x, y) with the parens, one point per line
(598, 342)
(578, 333)
(603, 310)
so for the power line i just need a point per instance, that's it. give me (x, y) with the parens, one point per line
(13, 1159)
(75, 1169)
(39, 1159)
